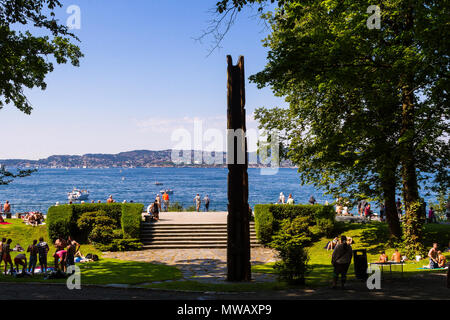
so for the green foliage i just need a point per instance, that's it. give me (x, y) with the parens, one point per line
(175, 207)
(102, 233)
(131, 219)
(268, 217)
(290, 242)
(121, 245)
(413, 230)
(26, 59)
(60, 222)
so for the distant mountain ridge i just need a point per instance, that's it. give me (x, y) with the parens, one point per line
(129, 159)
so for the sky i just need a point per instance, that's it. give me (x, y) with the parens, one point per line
(144, 82)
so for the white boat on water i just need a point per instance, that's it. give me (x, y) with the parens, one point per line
(168, 191)
(78, 195)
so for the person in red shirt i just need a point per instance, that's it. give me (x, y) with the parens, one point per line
(165, 198)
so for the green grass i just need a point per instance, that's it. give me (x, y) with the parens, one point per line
(373, 237)
(104, 271)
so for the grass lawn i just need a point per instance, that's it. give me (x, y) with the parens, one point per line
(373, 237)
(104, 271)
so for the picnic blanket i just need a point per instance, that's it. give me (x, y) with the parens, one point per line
(3, 223)
(432, 269)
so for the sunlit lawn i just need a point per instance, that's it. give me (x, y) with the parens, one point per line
(373, 237)
(104, 271)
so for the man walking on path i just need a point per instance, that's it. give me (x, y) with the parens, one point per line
(197, 202)
(341, 258)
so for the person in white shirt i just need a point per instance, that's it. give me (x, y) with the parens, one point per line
(281, 199)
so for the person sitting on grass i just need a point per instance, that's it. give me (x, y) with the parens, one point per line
(433, 255)
(341, 258)
(21, 260)
(33, 250)
(7, 255)
(350, 241)
(441, 260)
(396, 256)
(383, 257)
(332, 244)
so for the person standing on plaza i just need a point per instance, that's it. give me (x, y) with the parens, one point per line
(165, 197)
(197, 202)
(206, 200)
(158, 200)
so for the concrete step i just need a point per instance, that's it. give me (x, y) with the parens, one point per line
(192, 246)
(187, 235)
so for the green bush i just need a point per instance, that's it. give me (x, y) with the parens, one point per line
(121, 245)
(60, 222)
(103, 234)
(290, 242)
(175, 207)
(131, 219)
(263, 223)
(268, 217)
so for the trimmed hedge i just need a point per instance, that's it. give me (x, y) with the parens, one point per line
(268, 217)
(131, 219)
(62, 219)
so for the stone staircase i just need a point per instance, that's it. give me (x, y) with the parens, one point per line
(188, 236)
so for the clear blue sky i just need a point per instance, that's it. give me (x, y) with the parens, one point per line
(143, 76)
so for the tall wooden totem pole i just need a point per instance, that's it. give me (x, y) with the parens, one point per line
(238, 253)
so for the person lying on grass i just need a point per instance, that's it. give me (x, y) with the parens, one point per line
(331, 244)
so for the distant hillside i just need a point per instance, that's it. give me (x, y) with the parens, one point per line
(130, 159)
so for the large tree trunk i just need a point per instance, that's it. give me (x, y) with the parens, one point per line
(238, 249)
(413, 205)
(389, 184)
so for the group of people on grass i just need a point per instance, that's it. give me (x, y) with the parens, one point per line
(66, 251)
(437, 259)
(342, 257)
(33, 218)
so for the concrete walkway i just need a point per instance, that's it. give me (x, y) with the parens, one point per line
(207, 265)
(192, 217)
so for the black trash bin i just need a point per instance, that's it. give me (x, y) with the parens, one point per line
(360, 263)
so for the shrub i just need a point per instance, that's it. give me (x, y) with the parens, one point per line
(263, 223)
(122, 245)
(175, 207)
(268, 217)
(60, 222)
(290, 242)
(131, 218)
(101, 234)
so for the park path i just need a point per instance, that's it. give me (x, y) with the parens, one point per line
(207, 265)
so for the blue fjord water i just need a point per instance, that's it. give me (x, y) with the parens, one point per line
(47, 186)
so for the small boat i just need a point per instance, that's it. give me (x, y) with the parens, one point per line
(158, 183)
(168, 191)
(78, 195)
